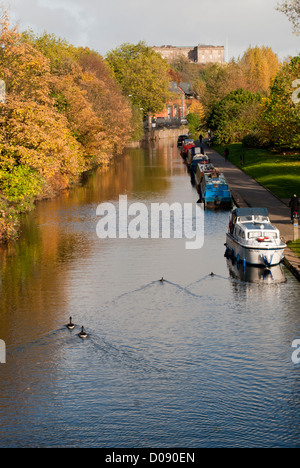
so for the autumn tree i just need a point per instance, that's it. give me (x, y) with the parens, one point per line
(64, 113)
(259, 65)
(216, 81)
(196, 117)
(70, 99)
(33, 136)
(106, 98)
(89, 96)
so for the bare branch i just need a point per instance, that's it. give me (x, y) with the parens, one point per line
(291, 8)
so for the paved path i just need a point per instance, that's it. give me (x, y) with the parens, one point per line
(248, 192)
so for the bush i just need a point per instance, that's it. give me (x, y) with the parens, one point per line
(20, 186)
(9, 221)
(234, 116)
(256, 140)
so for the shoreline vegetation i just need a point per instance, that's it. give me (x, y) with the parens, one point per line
(64, 114)
(68, 110)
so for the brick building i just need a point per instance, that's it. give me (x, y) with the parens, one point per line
(178, 108)
(199, 54)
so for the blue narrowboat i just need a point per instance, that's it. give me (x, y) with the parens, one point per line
(215, 192)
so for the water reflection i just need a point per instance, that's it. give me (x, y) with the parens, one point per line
(252, 274)
(196, 360)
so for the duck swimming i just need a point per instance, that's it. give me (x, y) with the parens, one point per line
(162, 280)
(83, 333)
(70, 325)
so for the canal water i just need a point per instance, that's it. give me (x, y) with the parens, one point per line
(194, 361)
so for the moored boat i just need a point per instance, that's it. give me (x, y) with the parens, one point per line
(181, 139)
(203, 168)
(198, 159)
(194, 151)
(214, 191)
(186, 145)
(252, 239)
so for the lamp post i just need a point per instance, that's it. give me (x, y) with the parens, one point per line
(2, 92)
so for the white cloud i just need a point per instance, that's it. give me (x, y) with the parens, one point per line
(104, 25)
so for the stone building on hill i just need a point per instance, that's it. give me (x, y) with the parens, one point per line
(199, 54)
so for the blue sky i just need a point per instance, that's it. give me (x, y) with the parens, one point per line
(105, 24)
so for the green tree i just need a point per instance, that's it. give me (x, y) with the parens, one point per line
(236, 115)
(143, 74)
(282, 109)
(195, 117)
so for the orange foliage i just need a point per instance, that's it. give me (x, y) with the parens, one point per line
(64, 111)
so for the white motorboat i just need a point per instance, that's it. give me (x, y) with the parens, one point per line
(252, 239)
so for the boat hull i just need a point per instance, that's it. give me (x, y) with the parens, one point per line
(213, 204)
(267, 255)
(256, 274)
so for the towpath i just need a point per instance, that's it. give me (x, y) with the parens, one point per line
(247, 192)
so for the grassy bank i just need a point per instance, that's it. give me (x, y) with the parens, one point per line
(295, 247)
(279, 173)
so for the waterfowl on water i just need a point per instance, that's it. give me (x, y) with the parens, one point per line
(70, 325)
(83, 333)
(212, 274)
(162, 280)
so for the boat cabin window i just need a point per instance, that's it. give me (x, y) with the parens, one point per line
(239, 232)
(254, 234)
(270, 235)
(257, 219)
(261, 219)
(243, 219)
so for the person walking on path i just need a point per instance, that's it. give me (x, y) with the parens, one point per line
(294, 205)
(226, 154)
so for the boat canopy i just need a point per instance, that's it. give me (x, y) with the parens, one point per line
(255, 227)
(250, 212)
